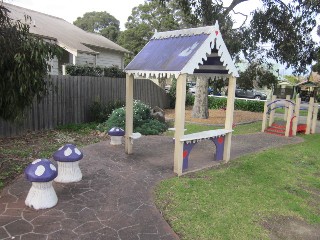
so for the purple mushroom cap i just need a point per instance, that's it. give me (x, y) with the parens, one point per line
(41, 170)
(116, 131)
(68, 153)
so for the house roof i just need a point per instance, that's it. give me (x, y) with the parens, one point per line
(66, 34)
(198, 51)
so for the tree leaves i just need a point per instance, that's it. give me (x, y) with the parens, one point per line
(100, 22)
(23, 66)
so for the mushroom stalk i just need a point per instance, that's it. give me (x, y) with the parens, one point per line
(116, 140)
(68, 172)
(41, 196)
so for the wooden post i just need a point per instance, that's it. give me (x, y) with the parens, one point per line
(309, 117)
(289, 116)
(314, 118)
(264, 118)
(296, 119)
(129, 113)
(286, 108)
(273, 105)
(179, 122)
(229, 117)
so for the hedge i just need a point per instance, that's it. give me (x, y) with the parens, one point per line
(85, 70)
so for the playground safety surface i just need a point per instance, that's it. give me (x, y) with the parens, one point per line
(114, 200)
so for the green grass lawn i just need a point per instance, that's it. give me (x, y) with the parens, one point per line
(231, 201)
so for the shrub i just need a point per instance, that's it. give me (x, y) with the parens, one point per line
(114, 72)
(217, 103)
(239, 104)
(142, 120)
(86, 70)
(100, 112)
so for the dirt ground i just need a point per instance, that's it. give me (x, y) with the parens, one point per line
(218, 116)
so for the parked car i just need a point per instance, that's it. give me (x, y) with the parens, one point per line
(253, 94)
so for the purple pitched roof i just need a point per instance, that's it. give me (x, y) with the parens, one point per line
(199, 51)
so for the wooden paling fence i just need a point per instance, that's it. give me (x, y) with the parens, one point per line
(70, 98)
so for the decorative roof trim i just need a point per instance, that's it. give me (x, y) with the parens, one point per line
(184, 32)
(139, 73)
(205, 50)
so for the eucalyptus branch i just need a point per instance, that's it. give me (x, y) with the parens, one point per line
(233, 5)
(245, 15)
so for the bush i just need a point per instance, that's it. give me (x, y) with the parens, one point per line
(318, 117)
(86, 70)
(239, 104)
(142, 120)
(100, 112)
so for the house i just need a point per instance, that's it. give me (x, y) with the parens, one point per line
(79, 47)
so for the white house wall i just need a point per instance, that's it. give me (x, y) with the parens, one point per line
(86, 59)
(107, 58)
(54, 67)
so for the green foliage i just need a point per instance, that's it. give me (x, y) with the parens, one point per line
(114, 72)
(85, 70)
(251, 106)
(217, 103)
(259, 74)
(99, 22)
(239, 104)
(142, 120)
(100, 112)
(23, 66)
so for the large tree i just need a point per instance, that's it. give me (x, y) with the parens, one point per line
(100, 22)
(286, 26)
(23, 66)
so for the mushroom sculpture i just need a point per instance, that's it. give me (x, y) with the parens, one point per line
(41, 195)
(68, 157)
(116, 135)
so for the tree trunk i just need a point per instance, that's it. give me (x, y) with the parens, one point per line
(200, 107)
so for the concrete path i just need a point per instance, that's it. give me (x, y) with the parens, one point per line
(115, 198)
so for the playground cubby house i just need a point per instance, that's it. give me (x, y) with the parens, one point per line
(200, 52)
(290, 124)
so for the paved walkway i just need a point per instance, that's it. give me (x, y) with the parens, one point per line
(115, 198)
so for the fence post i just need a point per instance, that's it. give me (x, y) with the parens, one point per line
(289, 117)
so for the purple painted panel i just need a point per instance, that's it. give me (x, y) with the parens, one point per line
(170, 54)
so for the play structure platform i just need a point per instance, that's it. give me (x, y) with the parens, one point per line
(290, 125)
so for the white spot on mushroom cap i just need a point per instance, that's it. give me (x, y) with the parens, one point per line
(53, 168)
(40, 170)
(76, 150)
(60, 148)
(67, 152)
(36, 161)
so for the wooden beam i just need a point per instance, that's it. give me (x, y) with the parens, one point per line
(264, 117)
(271, 116)
(129, 113)
(288, 124)
(286, 108)
(179, 122)
(296, 119)
(229, 117)
(309, 117)
(314, 118)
